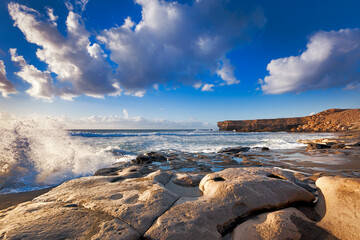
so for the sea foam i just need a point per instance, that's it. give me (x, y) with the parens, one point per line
(38, 152)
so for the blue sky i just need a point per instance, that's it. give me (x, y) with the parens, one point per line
(169, 64)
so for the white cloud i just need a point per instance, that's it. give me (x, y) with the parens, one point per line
(41, 82)
(332, 59)
(207, 88)
(6, 87)
(175, 42)
(197, 85)
(80, 66)
(126, 114)
(226, 72)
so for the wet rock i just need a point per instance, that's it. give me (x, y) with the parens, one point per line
(107, 171)
(317, 146)
(135, 201)
(260, 148)
(288, 223)
(228, 195)
(149, 158)
(234, 150)
(353, 144)
(339, 205)
(338, 146)
(53, 220)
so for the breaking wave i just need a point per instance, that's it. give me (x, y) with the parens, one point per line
(38, 152)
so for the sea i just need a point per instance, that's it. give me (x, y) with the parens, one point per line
(36, 153)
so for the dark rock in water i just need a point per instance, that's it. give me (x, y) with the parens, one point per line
(149, 158)
(107, 171)
(234, 150)
(338, 146)
(318, 146)
(353, 144)
(261, 148)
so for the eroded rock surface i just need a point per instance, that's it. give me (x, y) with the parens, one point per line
(132, 203)
(340, 206)
(55, 220)
(136, 201)
(228, 196)
(284, 224)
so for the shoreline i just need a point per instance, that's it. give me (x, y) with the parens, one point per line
(286, 159)
(227, 195)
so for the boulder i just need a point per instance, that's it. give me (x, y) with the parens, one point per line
(288, 223)
(57, 220)
(150, 157)
(318, 146)
(111, 171)
(340, 206)
(338, 146)
(234, 150)
(260, 148)
(228, 196)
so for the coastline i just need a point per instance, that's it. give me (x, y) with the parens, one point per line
(185, 184)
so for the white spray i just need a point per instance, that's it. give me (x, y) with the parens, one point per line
(37, 152)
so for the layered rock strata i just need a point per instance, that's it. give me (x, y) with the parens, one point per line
(332, 120)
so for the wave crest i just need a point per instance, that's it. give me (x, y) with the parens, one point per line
(38, 152)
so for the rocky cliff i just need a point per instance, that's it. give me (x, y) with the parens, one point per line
(332, 120)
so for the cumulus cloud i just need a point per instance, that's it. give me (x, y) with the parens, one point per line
(6, 87)
(41, 82)
(176, 42)
(173, 43)
(207, 88)
(332, 59)
(79, 65)
(226, 72)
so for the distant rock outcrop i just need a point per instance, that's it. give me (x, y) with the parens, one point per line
(332, 120)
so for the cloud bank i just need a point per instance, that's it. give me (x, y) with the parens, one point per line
(172, 43)
(128, 122)
(6, 87)
(332, 59)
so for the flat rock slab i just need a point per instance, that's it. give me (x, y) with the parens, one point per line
(228, 196)
(52, 220)
(340, 206)
(136, 201)
(284, 224)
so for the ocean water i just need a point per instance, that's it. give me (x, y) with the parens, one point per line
(39, 152)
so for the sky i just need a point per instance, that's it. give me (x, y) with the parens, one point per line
(177, 64)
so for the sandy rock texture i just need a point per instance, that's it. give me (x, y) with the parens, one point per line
(288, 223)
(339, 206)
(54, 220)
(132, 203)
(228, 196)
(136, 201)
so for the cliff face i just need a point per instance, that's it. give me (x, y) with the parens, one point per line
(332, 120)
